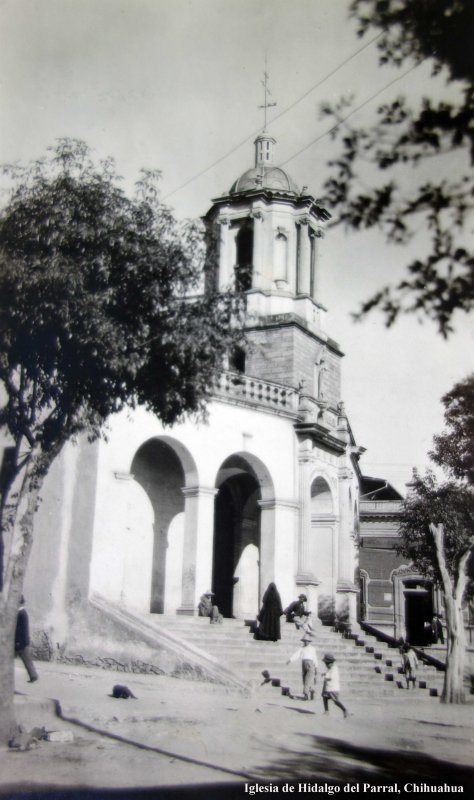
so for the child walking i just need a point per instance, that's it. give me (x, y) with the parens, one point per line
(409, 665)
(309, 665)
(332, 685)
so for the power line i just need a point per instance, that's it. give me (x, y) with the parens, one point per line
(278, 116)
(344, 119)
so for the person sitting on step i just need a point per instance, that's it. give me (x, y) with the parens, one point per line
(207, 608)
(297, 611)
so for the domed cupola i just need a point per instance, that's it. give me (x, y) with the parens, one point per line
(265, 175)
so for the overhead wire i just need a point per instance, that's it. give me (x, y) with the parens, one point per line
(275, 118)
(351, 113)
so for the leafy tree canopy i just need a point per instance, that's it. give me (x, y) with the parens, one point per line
(440, 281)
(447, 504)
(454, 449)
(450, 503)
(95, 312)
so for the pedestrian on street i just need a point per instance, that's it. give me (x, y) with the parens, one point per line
(22, 641)
(332, 685)
(309, 665)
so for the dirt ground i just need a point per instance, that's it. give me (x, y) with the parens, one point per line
(182, 738)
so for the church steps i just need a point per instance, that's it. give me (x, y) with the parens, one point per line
(228, 653)
(362, 672)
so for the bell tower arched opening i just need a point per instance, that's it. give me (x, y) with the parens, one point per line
(244, 262)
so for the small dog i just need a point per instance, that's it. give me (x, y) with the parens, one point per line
(122, 692)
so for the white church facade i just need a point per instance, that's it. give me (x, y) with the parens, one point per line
(266, 489)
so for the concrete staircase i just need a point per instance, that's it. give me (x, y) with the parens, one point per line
(368, 668)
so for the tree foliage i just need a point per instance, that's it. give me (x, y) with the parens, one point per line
(433, 503)
(95, 308)
(439, 281)
(454, 449)
(437, 527)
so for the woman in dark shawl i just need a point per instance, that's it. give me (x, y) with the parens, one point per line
(269, 616)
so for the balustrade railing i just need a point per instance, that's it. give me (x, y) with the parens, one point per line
(235, 386)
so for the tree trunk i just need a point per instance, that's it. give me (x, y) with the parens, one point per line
(453, 688)
(8, 726)
(15, 568)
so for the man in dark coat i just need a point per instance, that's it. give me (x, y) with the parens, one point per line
(437, 634)
(269, 615)
(22, 641)
(297, 611)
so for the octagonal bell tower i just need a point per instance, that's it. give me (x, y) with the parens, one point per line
(268, 232)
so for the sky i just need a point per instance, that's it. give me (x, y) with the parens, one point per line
(176, 86)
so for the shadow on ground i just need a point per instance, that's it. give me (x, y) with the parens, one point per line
(340, 761)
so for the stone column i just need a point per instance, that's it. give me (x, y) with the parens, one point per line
(278, 530)
(304, 265)
(258, 280)
(197, 545)
(305, 466)
(345, 515)
(225, 268)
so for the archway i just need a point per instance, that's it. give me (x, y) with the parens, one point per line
(162, 467)
(244, 264)
(242, 482)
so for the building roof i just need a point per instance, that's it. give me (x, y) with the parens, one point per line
(265, 177)
(377, 489)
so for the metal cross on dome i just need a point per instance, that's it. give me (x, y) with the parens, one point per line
(267, 94)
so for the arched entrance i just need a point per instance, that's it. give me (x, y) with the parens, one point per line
(163, 467)
(242, 482)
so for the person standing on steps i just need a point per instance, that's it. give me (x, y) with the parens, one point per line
(409, 665)
(269, 615)
(22, 641)
(437, 634)
(332, 685)
(309, 665)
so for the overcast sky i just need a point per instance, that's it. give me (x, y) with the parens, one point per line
(176, 86)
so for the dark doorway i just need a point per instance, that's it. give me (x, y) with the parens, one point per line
(418, 614)
(236, 526)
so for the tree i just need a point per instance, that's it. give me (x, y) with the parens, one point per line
(99, 310)
(437, 527)
(454, 449)
(440, 280)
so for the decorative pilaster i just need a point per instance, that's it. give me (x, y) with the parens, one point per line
(225, 266)
(258, 249)
(304, 266)
(305, 466)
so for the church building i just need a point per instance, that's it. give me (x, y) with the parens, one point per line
(266, 489)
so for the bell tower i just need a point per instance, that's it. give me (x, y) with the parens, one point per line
(268, 233)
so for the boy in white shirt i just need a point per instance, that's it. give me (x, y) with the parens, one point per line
(309, 665)
(332, 685)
